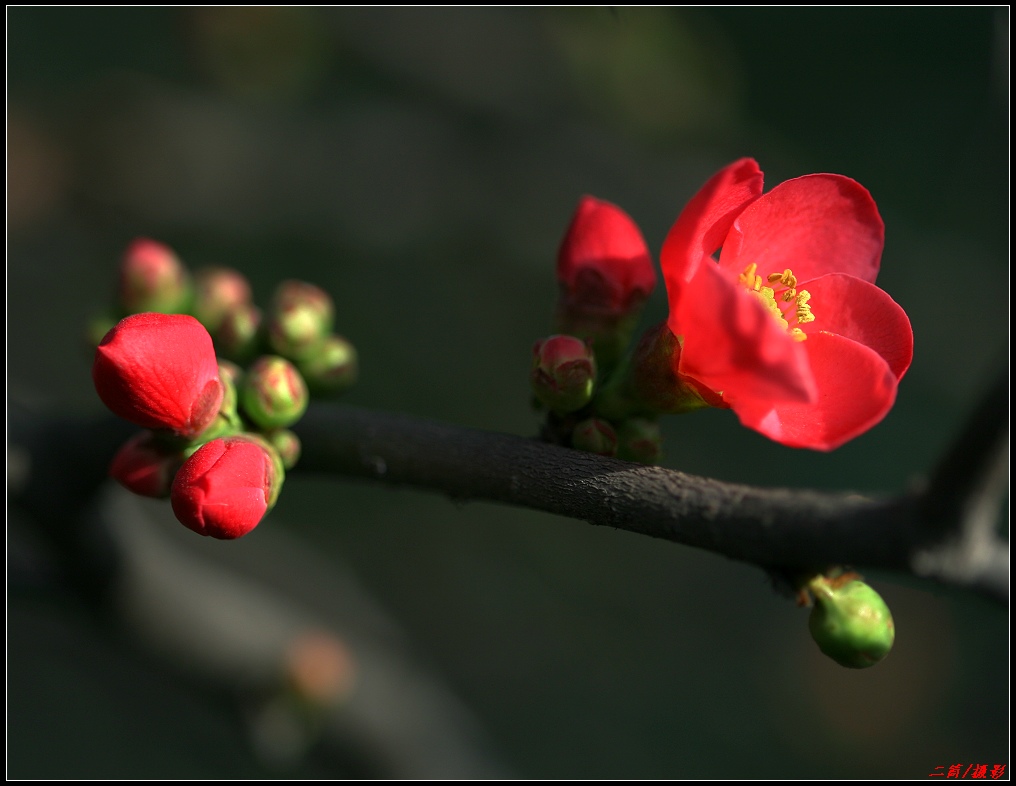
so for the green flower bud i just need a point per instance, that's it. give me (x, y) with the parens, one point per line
(231, 371)
(217, 291)
(152, 279)
(595, 436)
(332, 368)
(299, 320)
(273, 394)
(286, 444)
(850, 622)
(639, 439)
(563, 374)
(237, 336)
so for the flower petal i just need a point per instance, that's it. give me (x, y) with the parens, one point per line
(732, 345)
(860, 311)
(856, 388)
(705, 221)
(814, 225)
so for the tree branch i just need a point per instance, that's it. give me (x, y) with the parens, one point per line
(778, 529)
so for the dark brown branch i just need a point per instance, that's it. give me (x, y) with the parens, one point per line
(781, 529)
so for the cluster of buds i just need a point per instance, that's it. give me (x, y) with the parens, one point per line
(218, 439)
(603, 392)
(605, 274)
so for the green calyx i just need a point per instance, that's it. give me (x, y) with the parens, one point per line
(850, 622)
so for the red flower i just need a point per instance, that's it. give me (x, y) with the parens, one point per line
(788, 328)
(159, 371)
(603, 264)
(225, 488)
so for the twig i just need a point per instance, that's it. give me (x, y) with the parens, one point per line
(779, 529)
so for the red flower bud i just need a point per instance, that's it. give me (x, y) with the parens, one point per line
(145, 465)
(603, 264)
(226, 487)
(159, 371)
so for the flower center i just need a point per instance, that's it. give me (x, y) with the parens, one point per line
(781, 298)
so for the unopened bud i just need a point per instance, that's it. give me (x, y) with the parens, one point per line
(226, 487)
(146, 465)
(217, 291)
(152, 279)
(286, 444)
(332, 368)
(237, 336)
(229, 369)
(564, 373)
(595, 436)
(850, 622)
(639, 439)
(300, 318)
(605, 274)
(159, 371)
(273, 394)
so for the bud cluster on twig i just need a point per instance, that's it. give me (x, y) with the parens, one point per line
(216, 383)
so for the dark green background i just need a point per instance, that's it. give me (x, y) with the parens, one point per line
(422, 165)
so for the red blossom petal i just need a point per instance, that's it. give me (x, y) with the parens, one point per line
(159, 371)
(603, 250)
(223, 489)
(732, 345)
(856, 388)
(814, 225)
(705, 221)
(860, 311)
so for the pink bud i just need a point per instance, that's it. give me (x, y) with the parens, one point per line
(563, 373)
(225, 488)
(152, 278)
(159, 371)
(603, 264)
(218, 290)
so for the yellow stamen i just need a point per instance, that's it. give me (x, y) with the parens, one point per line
(784, 290)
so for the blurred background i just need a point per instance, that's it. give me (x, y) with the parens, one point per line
(422, 165)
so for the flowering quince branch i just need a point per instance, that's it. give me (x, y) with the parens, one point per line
(810, 358)
(787, 530)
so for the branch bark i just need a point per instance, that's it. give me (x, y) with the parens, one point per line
(779, 529)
